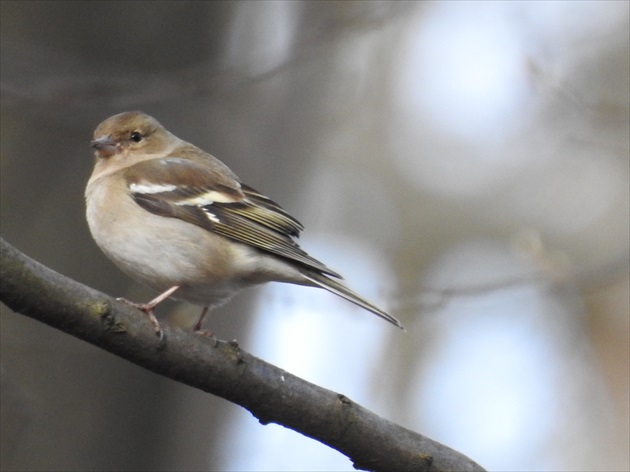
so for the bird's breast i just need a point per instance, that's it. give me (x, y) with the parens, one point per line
(162, 252)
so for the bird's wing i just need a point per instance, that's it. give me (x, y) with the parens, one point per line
(200, 194)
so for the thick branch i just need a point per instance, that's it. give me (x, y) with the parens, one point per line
(220, 368)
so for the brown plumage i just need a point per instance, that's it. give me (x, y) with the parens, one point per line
(180, 221)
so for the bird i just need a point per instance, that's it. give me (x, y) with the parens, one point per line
(178, 220)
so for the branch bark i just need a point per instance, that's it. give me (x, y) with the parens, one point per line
(221, 368)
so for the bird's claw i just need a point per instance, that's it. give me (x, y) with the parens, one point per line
(148, 309)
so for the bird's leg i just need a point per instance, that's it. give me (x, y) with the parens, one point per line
(202, 317)
(148, 307)
(204, 332)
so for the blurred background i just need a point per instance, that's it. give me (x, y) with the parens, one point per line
(463, 164)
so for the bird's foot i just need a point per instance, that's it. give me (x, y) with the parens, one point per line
(199, 323)
(197, 328)
(148, 309)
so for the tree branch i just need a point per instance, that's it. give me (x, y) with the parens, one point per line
(220, 368)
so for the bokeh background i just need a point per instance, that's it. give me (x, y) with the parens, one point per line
(463, 164)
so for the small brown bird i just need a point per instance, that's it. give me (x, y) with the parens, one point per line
(178, 220)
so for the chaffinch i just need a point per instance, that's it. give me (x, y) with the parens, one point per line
(178, 220)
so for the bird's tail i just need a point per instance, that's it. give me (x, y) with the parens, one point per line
(333, 286)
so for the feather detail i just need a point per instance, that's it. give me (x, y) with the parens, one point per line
(180, 188)
(336, 287)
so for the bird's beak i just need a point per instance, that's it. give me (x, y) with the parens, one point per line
(105, 146)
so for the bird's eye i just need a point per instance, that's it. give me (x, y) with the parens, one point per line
(136, 137)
